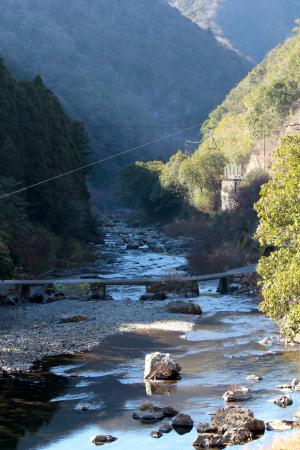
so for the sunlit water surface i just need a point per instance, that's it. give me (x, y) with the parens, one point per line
(44, 411)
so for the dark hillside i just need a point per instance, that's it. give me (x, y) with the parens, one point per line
(132, 70)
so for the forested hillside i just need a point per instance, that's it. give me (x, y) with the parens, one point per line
(132, 70)
(253, 27)
(261, 104)
(38, 141)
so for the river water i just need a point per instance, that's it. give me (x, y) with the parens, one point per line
(44, 410)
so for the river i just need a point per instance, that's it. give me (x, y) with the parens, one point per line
(43, 410)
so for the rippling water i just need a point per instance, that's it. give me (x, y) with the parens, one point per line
(44, 411)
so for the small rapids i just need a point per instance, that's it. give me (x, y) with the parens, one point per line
(76, 397)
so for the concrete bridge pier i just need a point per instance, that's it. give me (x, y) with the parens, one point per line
(23, 292)
(97, 291)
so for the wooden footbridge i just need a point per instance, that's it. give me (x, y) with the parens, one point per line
(98, 285)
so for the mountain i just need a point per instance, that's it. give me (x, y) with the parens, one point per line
(133, 70)
(243, 130)
(38, 141)
(253, 27)
(260, 109)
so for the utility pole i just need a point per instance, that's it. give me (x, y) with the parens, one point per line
(264, 143)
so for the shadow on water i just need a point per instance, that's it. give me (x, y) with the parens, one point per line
(69, 399)
(25, 405)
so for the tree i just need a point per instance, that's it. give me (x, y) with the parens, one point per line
(279, 214)
(201, 174)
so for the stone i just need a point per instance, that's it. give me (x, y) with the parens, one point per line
(169, 411)
(172, 286)
(148, 413)
(182, 421)
(223, 286)
(295, 383)
(156, 434)
(102, 439)
(38, 297)
(236, 417)
(73, 319)
(237, 394)
(283, 401)
(182, 307)
(254, 377)
(161, 366)
(209, 440)
(165, 428)
(237, 436)
(206, 428)
(153, 296)
(280, 425)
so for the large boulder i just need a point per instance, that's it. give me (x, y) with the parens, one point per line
(182, 307)
(229, 426)
(235, 417)
(237, 394)
(161, 366)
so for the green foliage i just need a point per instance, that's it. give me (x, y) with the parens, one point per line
(201, 175)
(263, 100)
(279, 227)
(140, 187)
(38, 141)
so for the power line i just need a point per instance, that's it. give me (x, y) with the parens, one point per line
(86, 166)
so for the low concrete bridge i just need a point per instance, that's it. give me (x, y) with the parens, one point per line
(98, 285)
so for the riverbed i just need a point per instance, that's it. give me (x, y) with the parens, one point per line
(70, 398)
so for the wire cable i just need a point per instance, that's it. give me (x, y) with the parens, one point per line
(86, 166)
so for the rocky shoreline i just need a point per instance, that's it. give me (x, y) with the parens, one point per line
(31, 332)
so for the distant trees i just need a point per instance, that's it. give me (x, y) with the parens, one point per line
(38, 141)
(279, 227)
(140, 187)
(165, 190)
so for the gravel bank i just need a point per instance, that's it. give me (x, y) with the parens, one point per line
(29, 332)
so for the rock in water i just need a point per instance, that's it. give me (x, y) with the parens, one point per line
(237, 394)
(165, 428)
(182, 307)
(235, 417)
(102, 439)
(182, 423)
(237, 436)
(283, 401)
(229, 426)
(161, 366)
(149, 413)
(209, 440)
(280, 425)
(254, 377)
(156, 434)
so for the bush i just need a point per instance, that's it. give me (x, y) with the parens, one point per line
(279, 227)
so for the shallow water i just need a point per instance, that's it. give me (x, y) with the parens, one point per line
(44, 411)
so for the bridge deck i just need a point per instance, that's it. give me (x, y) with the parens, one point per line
(128, 282)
